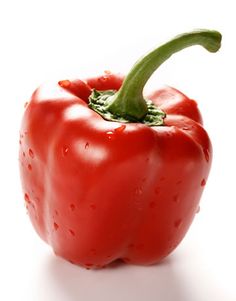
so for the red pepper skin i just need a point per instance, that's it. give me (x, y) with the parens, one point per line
(98, 190)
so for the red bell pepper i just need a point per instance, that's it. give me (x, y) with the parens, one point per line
(108, 174)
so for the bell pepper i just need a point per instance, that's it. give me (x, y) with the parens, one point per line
(108, 173)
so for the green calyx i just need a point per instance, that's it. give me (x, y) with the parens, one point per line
(128, 104)
(100, 100)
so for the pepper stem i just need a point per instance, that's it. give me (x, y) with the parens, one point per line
(129, 102)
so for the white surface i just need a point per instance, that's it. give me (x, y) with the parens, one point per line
(44, 40)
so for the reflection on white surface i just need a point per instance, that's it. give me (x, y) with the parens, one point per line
(180, 277)
(117, 282)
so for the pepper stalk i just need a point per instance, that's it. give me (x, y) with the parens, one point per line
(128, 104)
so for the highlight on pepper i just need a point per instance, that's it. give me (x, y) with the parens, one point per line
(110, 173)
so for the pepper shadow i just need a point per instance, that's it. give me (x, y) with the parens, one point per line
(67, 282)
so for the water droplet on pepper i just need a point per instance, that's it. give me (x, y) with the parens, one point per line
(92, 206)
(120, 129)
(178, 223)
(31, 153)
(55, 226)
(103, 78)
(64, 83)
(152, 204)
(72, 207)
(203, 182)
(110, 135)
(27, 198)
(207, 154)
(93, 252)
(71, 232)
(178, 182)
(88, 265)
(65, 151)
(176, 198)
(139, 191)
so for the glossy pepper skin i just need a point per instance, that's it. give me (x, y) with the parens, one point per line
(98, 190)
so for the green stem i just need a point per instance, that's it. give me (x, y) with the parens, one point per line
(129, 102)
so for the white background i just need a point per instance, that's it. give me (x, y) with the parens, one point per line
(45, 40)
